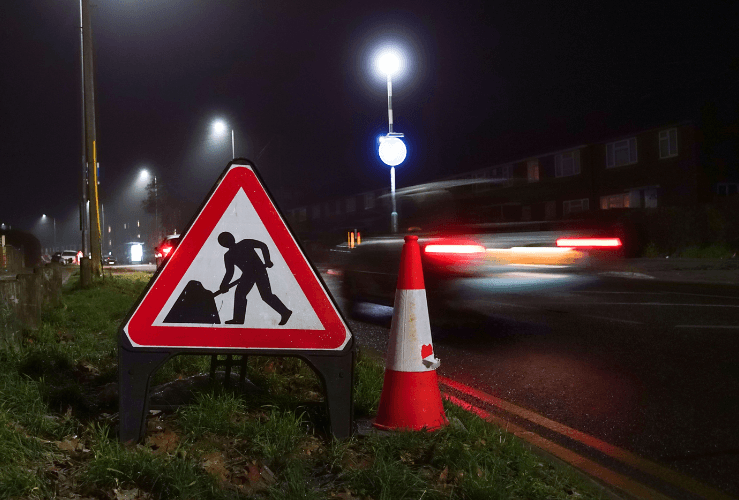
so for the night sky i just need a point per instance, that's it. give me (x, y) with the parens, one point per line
(482, 83)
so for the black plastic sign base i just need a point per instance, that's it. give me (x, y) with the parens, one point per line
(136, 368)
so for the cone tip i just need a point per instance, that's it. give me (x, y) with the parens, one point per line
(411, 237)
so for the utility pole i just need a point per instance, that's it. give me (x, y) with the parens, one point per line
(90, 148)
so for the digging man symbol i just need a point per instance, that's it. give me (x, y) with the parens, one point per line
(253, 272)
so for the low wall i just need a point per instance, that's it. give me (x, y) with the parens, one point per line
(25, 295)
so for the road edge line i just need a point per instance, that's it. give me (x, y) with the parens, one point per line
(642, 464)
(592, 469)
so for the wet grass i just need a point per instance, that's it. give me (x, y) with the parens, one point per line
(58, 423)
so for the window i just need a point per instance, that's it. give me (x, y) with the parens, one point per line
(566, 164)
(727, 188)
(533, 170)
(369, 201)
(621, 153)
(574, 206)
(668, 143)
(615, 201)
(351, 205)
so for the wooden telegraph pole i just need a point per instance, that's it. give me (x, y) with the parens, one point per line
(91, 226)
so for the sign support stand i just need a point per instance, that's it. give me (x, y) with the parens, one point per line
(137, 367)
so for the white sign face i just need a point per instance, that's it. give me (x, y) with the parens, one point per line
(209, 268)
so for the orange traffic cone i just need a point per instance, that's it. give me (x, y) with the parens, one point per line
(410, 396)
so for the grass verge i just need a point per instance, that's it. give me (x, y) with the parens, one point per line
(58, 410)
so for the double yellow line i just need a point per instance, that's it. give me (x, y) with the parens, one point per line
(614, 479)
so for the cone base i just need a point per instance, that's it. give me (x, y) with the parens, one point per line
(410, 400)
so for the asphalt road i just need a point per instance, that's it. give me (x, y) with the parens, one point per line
(648, 366)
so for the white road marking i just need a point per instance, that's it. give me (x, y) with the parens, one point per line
(724, 327)
(662, 304)
(612, 319)
(591, 292)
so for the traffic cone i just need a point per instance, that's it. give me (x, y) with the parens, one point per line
(410, 396)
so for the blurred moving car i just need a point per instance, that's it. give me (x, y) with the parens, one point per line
(515, 252)
(165, 248)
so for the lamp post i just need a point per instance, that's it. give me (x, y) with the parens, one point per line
(145, 176)
(219, 128)
(392, 149)
(44, 218)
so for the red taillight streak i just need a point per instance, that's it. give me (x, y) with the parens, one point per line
(454, 249)
(166, 250)
(589, 242)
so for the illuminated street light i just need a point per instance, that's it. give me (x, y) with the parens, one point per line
(45, 219)
(220, 128)
(145, 176)
(392, 150)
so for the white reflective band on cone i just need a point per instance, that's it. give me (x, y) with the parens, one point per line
(410, 334)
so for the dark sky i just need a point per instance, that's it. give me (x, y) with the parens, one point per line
(483, 82)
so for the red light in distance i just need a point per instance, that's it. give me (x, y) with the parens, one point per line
(589, 242)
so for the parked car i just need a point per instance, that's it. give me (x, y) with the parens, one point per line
(165, 248)
(69, 257)
(109, 260)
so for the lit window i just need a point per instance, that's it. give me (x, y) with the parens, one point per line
(566, 164)
(621, 153)
(108, 229)
(138, 224)
(533, 170)
(574, 206)
(125, 226)
(668, 143)
(615, 201)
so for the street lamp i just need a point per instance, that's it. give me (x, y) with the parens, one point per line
(219, 129)
(44, 219)
(145, 175)
(392, 149)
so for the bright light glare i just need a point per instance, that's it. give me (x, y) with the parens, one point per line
(137, 252)
(144, 175)
(589, 242)
(392, 151)
(389, 62)
(219, 127)
(468, 249)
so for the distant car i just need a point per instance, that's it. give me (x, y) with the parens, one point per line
(370, 270)
(165, 248)
(69, 257)
(109, 260)
(57, 257)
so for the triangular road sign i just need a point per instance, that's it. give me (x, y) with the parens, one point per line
(237, 280)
